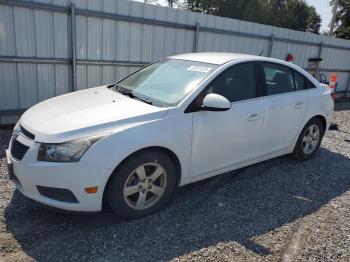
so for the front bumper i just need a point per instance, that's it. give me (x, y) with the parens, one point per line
(29, 173)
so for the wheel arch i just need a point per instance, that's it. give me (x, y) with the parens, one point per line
(296, 148)
(322, 119)
(162, 149)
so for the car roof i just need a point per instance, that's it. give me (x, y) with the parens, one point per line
(212, 58)
(218, 58)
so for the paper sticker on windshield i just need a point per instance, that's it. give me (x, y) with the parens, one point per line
(201, 69)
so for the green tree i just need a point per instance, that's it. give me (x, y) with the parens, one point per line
(297, 15)
(313, 21)
(343, 19)
(293, 14)
(172, 3)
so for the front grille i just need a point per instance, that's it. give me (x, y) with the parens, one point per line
(18, 150)
(26, 133)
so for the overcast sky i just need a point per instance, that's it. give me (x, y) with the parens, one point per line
(322, 7)
(325, 10)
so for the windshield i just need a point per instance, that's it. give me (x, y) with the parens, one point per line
(167, 82)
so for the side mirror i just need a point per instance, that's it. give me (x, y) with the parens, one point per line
(215, 102)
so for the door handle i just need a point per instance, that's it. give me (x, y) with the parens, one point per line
(299, 105)
(253, 117)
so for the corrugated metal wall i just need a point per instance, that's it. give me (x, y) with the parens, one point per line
(112, 38)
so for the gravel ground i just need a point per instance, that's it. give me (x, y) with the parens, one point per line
(278, 210)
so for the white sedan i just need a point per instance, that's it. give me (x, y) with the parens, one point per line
(179, 120)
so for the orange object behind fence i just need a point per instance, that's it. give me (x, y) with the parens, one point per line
(332, 84)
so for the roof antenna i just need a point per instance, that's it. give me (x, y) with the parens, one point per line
(261, 52)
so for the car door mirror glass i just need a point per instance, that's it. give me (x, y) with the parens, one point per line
(215, 102)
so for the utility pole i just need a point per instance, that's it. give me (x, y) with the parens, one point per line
(334, 14)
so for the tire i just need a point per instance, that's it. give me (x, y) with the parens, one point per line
(130, 191)
(300, 151)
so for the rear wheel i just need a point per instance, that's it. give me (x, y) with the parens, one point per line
(309, 140)
(142, 185)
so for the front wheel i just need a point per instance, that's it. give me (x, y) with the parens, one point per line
(142, 185)
(309, 140)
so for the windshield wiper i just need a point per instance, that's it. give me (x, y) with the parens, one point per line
(121, 89)
(131, 94)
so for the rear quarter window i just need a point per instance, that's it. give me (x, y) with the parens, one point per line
(309, 84)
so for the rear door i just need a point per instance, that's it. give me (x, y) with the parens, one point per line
(285, 101)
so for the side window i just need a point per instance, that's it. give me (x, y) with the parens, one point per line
(300, 81)
(279, 79)
(236, 83)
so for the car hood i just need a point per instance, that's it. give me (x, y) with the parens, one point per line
(84, 113)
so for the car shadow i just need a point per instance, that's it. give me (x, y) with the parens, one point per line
(237, 206)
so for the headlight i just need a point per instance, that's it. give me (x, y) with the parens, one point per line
(70, 151)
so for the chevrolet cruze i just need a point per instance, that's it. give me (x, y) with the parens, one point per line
(176, 121)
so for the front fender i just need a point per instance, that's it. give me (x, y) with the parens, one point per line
(173, 132)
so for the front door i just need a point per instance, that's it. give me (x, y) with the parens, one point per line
(223, 139)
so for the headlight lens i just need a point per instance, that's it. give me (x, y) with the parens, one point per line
(70, 151)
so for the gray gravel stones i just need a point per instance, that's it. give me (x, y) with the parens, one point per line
(278, 210)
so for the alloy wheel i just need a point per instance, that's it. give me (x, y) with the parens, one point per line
(311, 139)
(145, 186)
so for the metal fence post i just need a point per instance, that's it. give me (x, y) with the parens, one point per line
(196, 38)
(271, 45)
(320, 49)
(73, 45)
